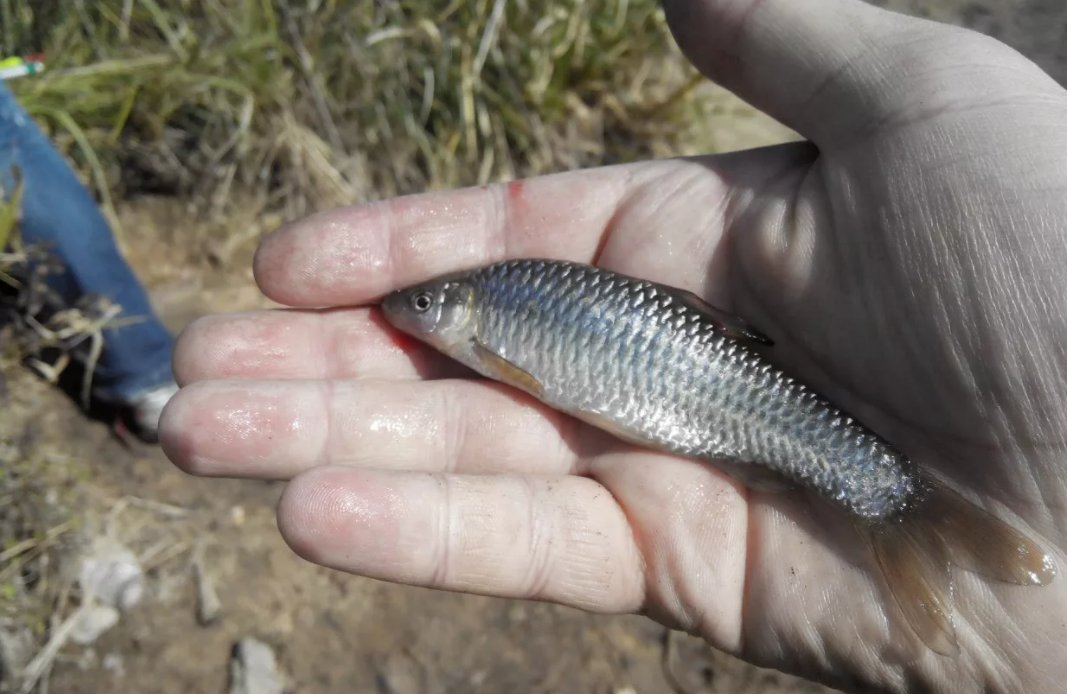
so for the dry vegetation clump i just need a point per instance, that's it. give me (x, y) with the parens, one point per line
(37, 327)
(42, 506)
(304, 104)
(36, 489)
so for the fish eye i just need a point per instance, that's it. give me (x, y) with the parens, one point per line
(421, 301)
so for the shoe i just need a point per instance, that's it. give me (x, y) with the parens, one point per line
(143, 409)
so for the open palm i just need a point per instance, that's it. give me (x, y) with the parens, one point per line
(909, 262)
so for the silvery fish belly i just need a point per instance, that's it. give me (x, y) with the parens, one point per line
(657, 366)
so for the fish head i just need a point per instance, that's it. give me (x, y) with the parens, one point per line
(440, 312)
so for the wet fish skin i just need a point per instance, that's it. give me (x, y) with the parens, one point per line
(657, 366)
(642, 360)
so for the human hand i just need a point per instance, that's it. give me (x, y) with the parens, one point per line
(908, 263)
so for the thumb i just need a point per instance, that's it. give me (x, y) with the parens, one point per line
(834, 70)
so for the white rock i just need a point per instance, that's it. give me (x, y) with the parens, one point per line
(208, 605)
(111, 574)
(253, 669)
(93, 620)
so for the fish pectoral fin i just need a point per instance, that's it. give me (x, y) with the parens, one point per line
(503, 370)
(730, 325)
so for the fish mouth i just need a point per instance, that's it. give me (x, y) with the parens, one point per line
(392, 306)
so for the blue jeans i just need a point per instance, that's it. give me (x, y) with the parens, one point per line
(58, 211)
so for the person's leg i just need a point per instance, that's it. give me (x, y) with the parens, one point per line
(57, 210)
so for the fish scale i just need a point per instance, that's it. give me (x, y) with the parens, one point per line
(661, 371)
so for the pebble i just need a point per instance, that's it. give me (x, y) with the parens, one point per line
(93, 621)
(111, 574)
(399, 673)
(253, 669)
(208, 605)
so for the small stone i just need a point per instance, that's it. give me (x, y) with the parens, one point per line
(253, 669)
(208, 605)
(93, 621)
(114, 664)
(400, 674)
(111, 574)
(237, 515)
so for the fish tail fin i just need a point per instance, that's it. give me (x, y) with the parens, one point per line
(914, 553)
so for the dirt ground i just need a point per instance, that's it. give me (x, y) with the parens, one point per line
(332, 632)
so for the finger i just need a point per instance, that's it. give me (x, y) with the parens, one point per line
(356, 254)
(343, 343)
(694, 539)
(832, 68)
(562, 539)
(276, 429)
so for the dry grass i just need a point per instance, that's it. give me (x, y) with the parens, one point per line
(39, 494)
(39, 484)
(310, 104)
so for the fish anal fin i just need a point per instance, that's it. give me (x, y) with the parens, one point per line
(501, 369)
(730, 325)
(916, 573)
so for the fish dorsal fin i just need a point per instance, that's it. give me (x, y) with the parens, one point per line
(727, 323)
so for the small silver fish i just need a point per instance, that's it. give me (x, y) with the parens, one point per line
(659, 367)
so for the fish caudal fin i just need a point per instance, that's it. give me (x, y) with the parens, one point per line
(980, 542)
(914, 554)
